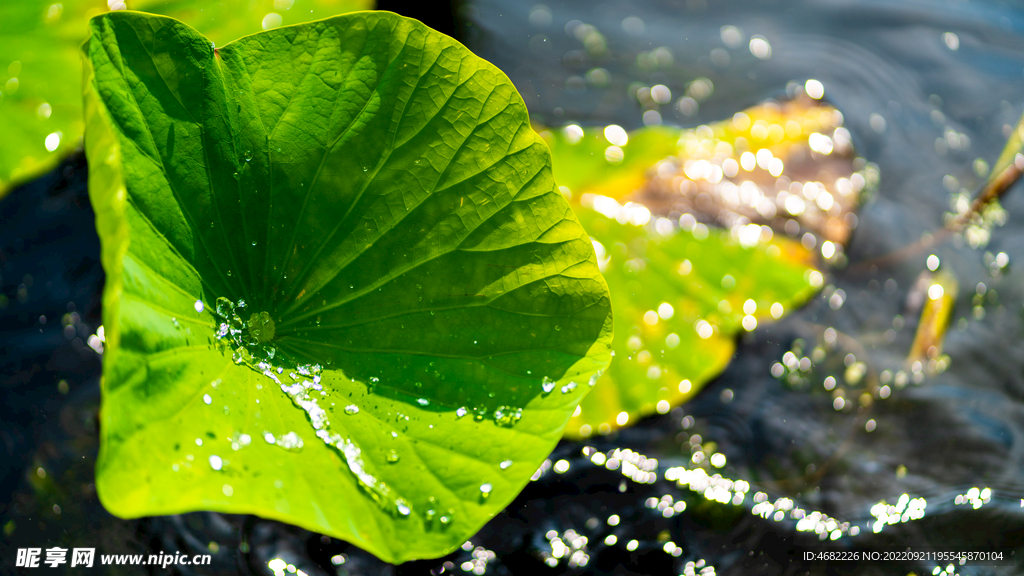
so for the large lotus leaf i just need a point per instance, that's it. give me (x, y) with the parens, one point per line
(39, 52)
(679, 299)
(342, 290)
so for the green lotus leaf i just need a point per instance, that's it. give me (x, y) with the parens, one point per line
(40, 104)
(679, 299)
(342, 288)
(586, 160)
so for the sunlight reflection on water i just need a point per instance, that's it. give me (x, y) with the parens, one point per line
(929, 92)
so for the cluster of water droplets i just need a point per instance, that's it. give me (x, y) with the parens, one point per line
(504, 415)
(249, 336)
(251, 344)
(509, 416)
(547, 385)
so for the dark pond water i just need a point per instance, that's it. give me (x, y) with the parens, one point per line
(926, 89)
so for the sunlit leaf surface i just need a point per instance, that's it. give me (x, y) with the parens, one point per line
(342, 288)
(731, 173)
(40, 63)
(679, 298)
(588, 162)
(704, 233)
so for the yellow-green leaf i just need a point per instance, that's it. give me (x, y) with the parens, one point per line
(40, 63)
(342, 288)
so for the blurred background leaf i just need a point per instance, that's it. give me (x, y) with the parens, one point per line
(704, 233)
(580, 157)
(679, 299)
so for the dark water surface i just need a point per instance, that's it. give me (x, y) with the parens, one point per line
(920, 110)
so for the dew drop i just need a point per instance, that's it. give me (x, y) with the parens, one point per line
(53, 140)
(507, 415)
(422, 401)
(461, 412)
(207, 399)
(216, 463)
(248, 155)
(351, 409)
(547, 385)
(239, 441)
(392, 456)
(290, 441)
(485, 490)
(199, 306)
(505, 464)
(403, 507)
(223, 306)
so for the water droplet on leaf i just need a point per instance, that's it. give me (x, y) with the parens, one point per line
(290, 441)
